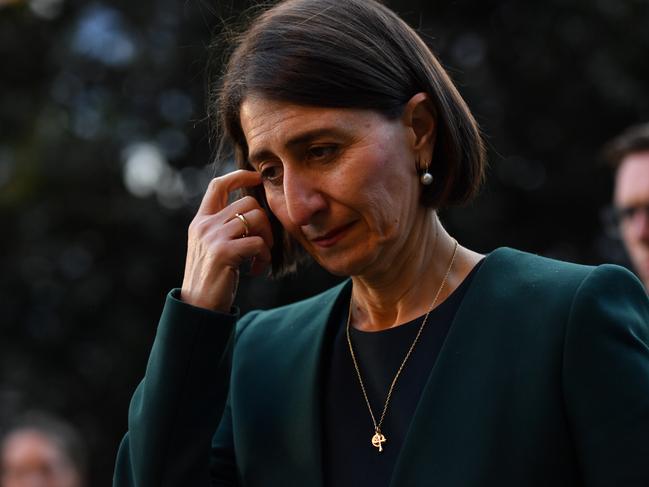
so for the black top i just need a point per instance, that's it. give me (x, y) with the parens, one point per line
(349, 459)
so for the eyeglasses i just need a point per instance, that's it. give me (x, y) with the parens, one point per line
(627, 214)
(613, 219)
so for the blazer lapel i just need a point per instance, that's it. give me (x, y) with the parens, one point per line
(288, 449)
(439, 448)
(305, 420)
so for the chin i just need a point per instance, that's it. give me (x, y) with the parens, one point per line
(346, 265)
(351, 258)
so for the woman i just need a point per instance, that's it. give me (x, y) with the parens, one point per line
(432, 364)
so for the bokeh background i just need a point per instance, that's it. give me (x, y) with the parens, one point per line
(105, 152)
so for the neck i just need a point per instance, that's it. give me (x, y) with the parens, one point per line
(405, 288)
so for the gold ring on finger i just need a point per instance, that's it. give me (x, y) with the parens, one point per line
(246, 225)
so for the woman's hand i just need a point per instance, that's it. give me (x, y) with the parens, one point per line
(219, 242)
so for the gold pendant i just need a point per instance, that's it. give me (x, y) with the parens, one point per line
(377, 440)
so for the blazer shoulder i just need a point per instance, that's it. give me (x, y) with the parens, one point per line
(518, 259)
(609, 286)
(525, 270)
(512, 273)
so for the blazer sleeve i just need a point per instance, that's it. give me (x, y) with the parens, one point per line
(179, 403)
(606, 378)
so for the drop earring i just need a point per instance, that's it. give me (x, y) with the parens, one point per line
(426, 178)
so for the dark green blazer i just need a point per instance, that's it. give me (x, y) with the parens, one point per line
(543, 380)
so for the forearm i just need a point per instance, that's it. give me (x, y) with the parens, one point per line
(177, 406)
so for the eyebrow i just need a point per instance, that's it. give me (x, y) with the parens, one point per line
(295, 142)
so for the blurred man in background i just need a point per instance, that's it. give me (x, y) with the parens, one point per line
(38, 450)
(629, 155)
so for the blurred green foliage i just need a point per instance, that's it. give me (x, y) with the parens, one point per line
(104, 155)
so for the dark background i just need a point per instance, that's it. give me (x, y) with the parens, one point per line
(104, 153)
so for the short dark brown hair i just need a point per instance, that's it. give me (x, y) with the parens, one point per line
(348, 54)
(633, 139)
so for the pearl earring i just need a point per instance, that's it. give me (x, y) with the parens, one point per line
(426, 177)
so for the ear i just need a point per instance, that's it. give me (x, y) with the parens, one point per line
(419, 117)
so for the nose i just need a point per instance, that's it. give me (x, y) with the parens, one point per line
(302, 195)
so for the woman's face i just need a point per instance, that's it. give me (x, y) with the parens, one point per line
(342, 182)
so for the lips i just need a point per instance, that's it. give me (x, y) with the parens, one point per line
(332, 237)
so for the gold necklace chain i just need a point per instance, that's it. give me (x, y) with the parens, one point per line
(378, 439)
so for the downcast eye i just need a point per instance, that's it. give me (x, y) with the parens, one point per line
(272, 174)
(321, 151)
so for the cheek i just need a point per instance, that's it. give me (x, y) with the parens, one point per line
(275, 200)
(277, 204)
(389, 184)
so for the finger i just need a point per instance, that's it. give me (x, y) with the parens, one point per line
(242, 205)
(234, 228)
(247, 248)
(256, 218)
(259, 224)
(216, 195)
